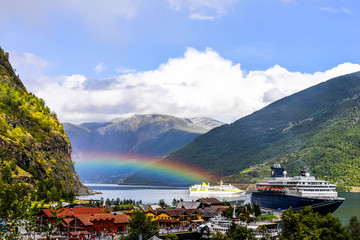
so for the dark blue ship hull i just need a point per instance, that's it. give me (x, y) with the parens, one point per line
(278, 201)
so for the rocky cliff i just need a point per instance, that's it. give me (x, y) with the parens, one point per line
(33, 143)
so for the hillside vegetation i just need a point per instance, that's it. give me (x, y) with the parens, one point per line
(33, 145)
(318, 128)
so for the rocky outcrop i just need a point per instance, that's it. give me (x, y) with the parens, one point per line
(32, 140)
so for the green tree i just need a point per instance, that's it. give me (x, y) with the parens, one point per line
(256, 209)
(354, 228)
(238, 232)
(14, 205)
(50, 227)
(231, 228)
(242, 233)
(219, 236)
(263, 230)
(6, 174)
(54, 194)
(140, 224)
(175, 202)
(13, 164)
(229, 212)
(306, 224)
(162, 203)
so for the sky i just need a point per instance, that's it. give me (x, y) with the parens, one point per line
(95, 60)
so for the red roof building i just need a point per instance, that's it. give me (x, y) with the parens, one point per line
(83, 219)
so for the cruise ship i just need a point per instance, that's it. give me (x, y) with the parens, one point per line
(222, 189)
(280, 192)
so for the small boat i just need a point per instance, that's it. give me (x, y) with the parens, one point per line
(222, 189)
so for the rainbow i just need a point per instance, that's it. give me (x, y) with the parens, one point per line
(131, 163)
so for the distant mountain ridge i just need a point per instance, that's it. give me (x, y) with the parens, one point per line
(318, 128)
(149, 135)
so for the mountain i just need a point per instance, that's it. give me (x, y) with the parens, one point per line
(150, 135)
(34, 147)
(318, 128)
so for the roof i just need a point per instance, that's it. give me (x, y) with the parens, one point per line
(209, 201)
(155, 206)
(154, 238)
(68, 220)
(220, 208)
(87, 219)
(102, 216)
(66, 212)
(208, 212)
(175, 212)
(169, 212)
(193, 211)
(121, 218)
(188, 204)
(144, 207)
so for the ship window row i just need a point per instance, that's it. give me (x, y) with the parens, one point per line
(316, 190)
(315, 183)
(306, 186)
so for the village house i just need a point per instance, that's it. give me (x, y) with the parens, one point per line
(207, 202)
(189, 205)
(210, 207)
(175, 217)
(84, 220)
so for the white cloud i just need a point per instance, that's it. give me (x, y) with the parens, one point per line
(335, 10)
(198, 16)
(29, 66)
(197, 84)
(22, 59)
(203, 9)
(73, 82)
(100, 67)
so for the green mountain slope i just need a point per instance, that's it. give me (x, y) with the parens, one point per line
(33, 143)
(318, 128)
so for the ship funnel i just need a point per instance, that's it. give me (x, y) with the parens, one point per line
(277, 171)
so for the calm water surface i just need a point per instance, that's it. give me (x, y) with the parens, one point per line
(350, 207)
(152, 194)
(147, 194)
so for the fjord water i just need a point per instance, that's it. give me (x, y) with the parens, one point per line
(147, 194)
(152, 194)
(349, 208)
